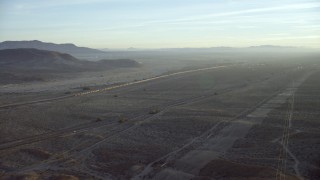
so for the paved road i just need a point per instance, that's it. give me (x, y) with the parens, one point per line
(107, 88)
(84, 127)
(193, 156)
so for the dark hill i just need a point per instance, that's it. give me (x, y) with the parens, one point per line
(63, 48)
(25, 65)
(35, 59)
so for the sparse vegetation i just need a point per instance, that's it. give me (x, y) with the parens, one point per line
(198, 102)
(154, 111)
(64, 177)
(41, 154)
(27, 176)
(98, 119)
(60, 156)
(122, 119)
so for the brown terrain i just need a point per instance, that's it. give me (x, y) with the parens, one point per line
(248, 120)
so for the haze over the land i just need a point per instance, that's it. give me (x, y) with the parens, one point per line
(163, 24)
(159, 89)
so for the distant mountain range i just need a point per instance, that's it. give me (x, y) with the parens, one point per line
(225, 48)
(35, 59)
(80, 51)
(273, 47)
(63, 48)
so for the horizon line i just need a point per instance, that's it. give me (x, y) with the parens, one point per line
(163, 48)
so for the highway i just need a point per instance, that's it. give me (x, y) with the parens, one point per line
(113, 130)
(83, 127)
(106, 89)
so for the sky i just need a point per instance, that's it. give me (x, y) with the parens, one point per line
(163, 23)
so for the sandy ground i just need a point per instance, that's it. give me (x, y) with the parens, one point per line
(195, 125)
(72, 81)
(215, 146)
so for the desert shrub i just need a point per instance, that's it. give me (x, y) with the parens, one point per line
(122, 119)
(63, 177)
(28, 176)
(37, 153)
(154, 111)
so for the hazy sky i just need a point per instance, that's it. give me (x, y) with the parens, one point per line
(162, 23)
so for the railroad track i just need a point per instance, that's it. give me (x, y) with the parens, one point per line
(78, 129)
(8, 106)
(135, 122)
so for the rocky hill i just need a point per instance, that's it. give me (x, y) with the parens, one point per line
(63, 48)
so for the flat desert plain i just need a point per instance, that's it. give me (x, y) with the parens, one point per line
(236, 121)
